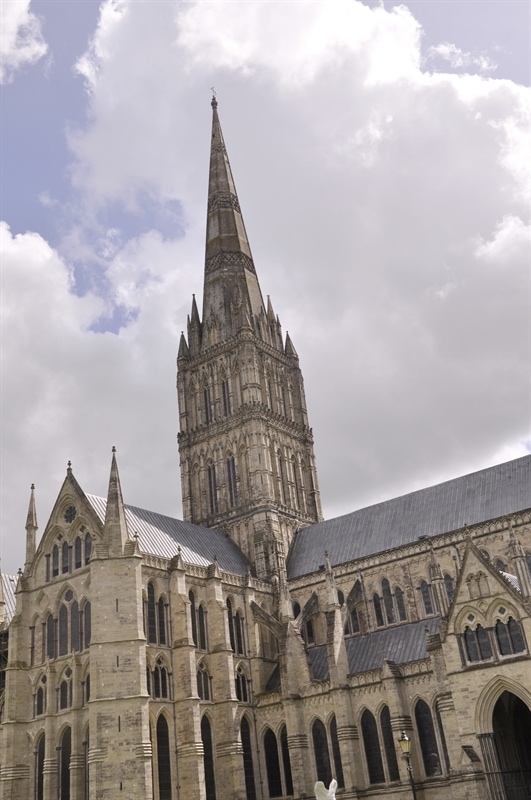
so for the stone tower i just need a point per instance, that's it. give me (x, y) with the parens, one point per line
(246, 449)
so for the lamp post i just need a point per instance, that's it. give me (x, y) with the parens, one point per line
(405, 746)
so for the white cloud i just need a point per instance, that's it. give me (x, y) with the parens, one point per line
(385, 207)
(21, 39)
(459, 59)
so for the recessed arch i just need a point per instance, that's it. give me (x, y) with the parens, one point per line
(490, 696)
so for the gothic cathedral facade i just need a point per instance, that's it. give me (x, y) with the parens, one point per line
(253, 648)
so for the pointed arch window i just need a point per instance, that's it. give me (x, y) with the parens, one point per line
(78, 553)
(51, 643)
(371, 745)
(163, 759)
(40, 697)
(231, 481)
(378, 610)
(239, 633)
(55, 561)
(230, 617)
(151, 615)
(388, 601)
(212, 489)
(321, 754)
(225, 396)
(160, 681)
(65, 752)
(203, 682)
(65, 691)
(193, 616)
(88, 548)
(63, 630)
(74, 626)
(247, 755)
(509, 637)
(208, 759)
(274, 781)
(284, 749)
(477, 644)
(425, 592)
(202, 627)
(427, 739)
(241, 686)
(39, 767)
(65, 558)
(400, 604)
(449, 585)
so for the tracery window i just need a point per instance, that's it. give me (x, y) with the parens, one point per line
(65, 690)
(241, 685)
(477, 644)
(203, 682)
(509, 637)
(160, 680)
(427, 599)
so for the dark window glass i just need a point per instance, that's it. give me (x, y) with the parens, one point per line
(442, 738)
(400, 604)
(193, 617)
(64, 764)
(207, 410)
(241, 686)
(65, 558)
(63, 630)
(47, 566)
(428, 742)
(378, 613)
(354, 621)
(231, 480)
(502, 635)
(156, 682)
(309, 634)
(501, 565)
(161, 619)
(55, 561)
(274, 781)
(63, 695)
(201, 624)
(248, 768)
(74, 626)
(471, 645)
(203, 683)
(286, 760)
(148, 680)
(296, 483)
(282, 476)
(88, 547)
(32, 650)
(151, 615)
(87, 624)
(212, 489)
(449, 585)
(485, 650)
(77, 553)
(231, 626)
(39, 769)
(389, 745)
(320, 749)
(516, 635)
(163, 759)
(39, 703)
(238, 629)
(225, 393)
(87, 688)
(425, 591)
(388, 601)
(210, 779)
(50, 637)
(371, 744)
(336, 752)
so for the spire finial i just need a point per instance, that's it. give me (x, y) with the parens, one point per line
(69, 466)
(214, 102)
(113, 449)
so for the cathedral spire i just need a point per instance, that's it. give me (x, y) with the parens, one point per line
(231, 287)
(31, 529)
(115, 523)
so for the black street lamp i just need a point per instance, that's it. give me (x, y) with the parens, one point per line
(405, 746)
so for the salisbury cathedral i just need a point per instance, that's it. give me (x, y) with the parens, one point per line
(254, 648)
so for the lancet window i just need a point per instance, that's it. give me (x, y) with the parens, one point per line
(40, 750)
(232, 481)
(203, 682)
(427, 739)
(247, 755)
(241, 685)
(509, 637)
(163, 759)
(208, 758)
(279, 780)
(156, 617)
(160, 682)
(65, 690)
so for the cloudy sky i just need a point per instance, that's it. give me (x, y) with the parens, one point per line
(380, 155)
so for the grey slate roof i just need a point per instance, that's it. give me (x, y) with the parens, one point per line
(471, 499)
(401, 644)
(9, 584)
(159, 535)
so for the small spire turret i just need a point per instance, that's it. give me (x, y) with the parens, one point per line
(31, 530)
(115, 528)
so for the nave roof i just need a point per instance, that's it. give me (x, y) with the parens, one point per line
(469, 500)
(160, 535)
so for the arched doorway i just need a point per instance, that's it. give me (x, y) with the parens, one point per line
(511, 725)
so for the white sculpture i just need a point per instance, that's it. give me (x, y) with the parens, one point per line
(322, 793)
